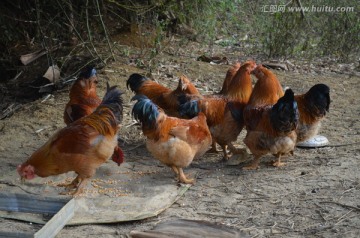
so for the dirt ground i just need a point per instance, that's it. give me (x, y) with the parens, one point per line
(315, 195)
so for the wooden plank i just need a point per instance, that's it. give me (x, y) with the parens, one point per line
(4, 234)
(58, 221)
(15, 202)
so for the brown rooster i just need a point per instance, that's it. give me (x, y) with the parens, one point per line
(82, 146)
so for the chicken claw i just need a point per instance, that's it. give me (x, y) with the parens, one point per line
(226, 156)
(76, 192)
(213, 148)
(278, 163)
(71, 185)
(183, 179)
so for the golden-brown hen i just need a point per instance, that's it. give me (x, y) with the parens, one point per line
(82, 146)
(224, 116)
(228, 78)
(173, 141)
(267, 89)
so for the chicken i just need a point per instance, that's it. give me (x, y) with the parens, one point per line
(160, 95)
(82, 146)
(240, 87)
(83, 97)
(271, 129)
(173, 141)
(224, 115)
(313, 106)
(84, 100)
(267, 89)
(224, 119)
(229, 76)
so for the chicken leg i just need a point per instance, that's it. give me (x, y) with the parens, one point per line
(226, 154)
(278, 163)
(71, 185)
(175, 169)
(235, 150)
(79, 189)
(183, 179)
(213, 147)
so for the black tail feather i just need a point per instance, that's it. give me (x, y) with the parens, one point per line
(114, 101)
(189, 109)
(135, 81)
(284, 114)
(145, 111)
(237, 111)
(318, 98)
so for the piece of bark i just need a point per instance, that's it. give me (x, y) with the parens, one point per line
(275, 65)
(28, 58)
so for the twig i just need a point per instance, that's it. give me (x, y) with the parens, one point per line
(41, 129)
(137, 146)
(72, 25)
(134, 123)
(46, 98)
(219, 215)
(301, 9)
(346, 191)
(17, 76)
(342, 217)
(9, 110)
(89, 32)
(275, 224)
(340, 145)
(342, 205)
(320, 213)
(259, 194)
(105, 30)
(69, 78)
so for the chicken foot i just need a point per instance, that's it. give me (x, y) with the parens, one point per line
(71, 185)
(213, 147)
(79, 189)
(183, 179)
(226, 153)
(278, 162)
(235, 150)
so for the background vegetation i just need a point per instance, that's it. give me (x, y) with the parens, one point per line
(83, 25)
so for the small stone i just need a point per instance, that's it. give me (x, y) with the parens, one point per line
(315, 190)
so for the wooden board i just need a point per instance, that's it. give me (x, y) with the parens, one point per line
(61, 209)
